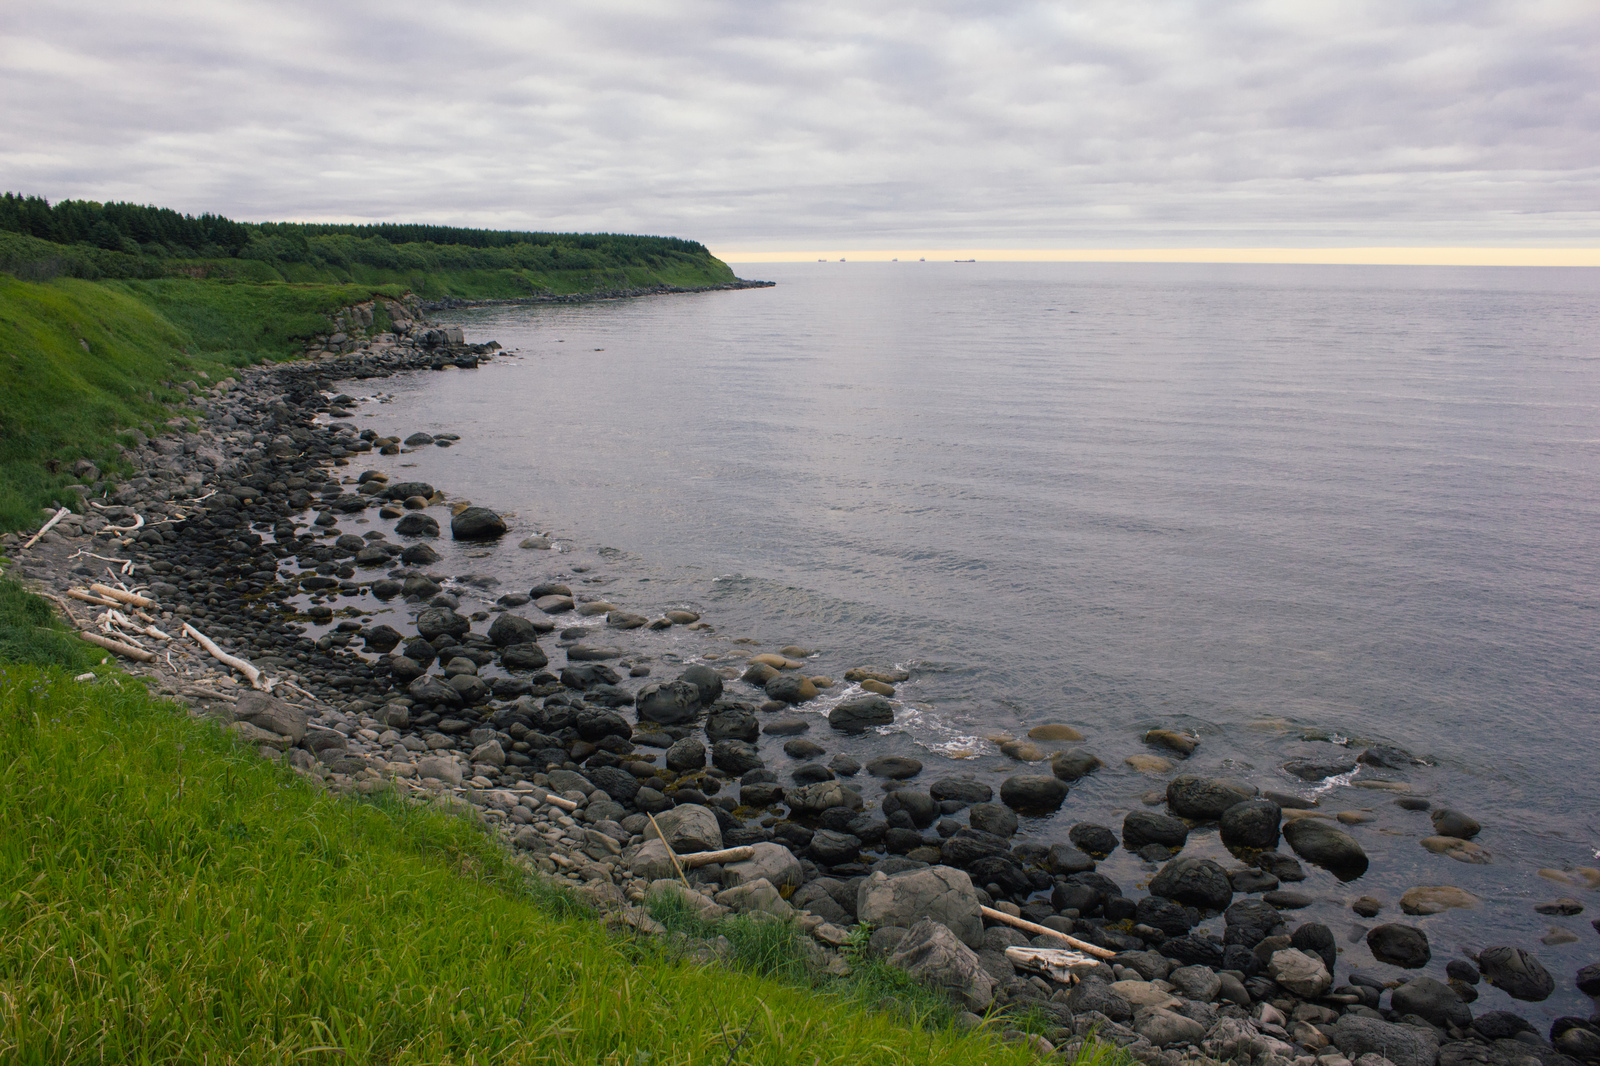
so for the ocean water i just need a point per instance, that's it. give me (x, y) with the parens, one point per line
(1290, 509)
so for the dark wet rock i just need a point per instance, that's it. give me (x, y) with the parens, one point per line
(861, 712)
(1333, 849)
(474, 690)
(419, 650)
(1094, 994)
(1150, 827)
(788, 727)
(1405, 946)
(1194, 949)
(968, 845)
(735, 756)
(811, 773)
(668, 702)
(1064, 859)
(761, 794)
(477, 523)
(844, 765)
(732, 723)
(1033, 792)
(961, 790)
(706, 680)
(586, 653)
(508, 629)
(992, 818)
(1452, 823)
(758, 674)
(1198, 882)
(1516, 973)
(1074, 764)
(405, 489)
(1433, 1001)
(1251, 824)
(419, 555)
(1314, 938)
(626, 620)
(430, 690)
(1205, 798)
(1288, 900)
(1095, 840)
(405, 669)
(1000, 872)
(1248, 881)
(791, 688)
(1319, 769)
(801, 748)
(432, 621)
(919, 807)
(895, 767)
(1250, 921)
(524, 657)
(1164, 914)
(686, 754)
(815, 799)
(1283, 867)
(381, 638)
(417, 524)
(1387, 758)
(614, 782)
(833, 849)
(553, 603)
(1588, 979)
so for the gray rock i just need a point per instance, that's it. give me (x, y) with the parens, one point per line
(417, 524)
(490, 753)
(686, 754)
(1205, 798)
(1094, 994)
(1196, 982)
(961, 790)
(1319, 769)
(706, 680)
(271, 714)
(1032, 793)
(585, 653)
(932, 954)
(894, 767)
(1516, 973)
(614, 782)
(1304, 975)
(477, 523)
(524, 657)
(1433, 1001)
(1405, 946)
(446, 770)
(1164, 1028)
(790, 688)
(759, 896)
(822, 796)
(861, 713)
(429, 690)
(1316, 841)
(941, 893)
(1403, 1045)
(831, 849)
(1065, 859)
(773, 863)
(732, 723)
(1452, 823)
(508, 629)
(433, 621)
(1197, 882)
(687, 828)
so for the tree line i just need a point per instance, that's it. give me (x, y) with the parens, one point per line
(161, 232)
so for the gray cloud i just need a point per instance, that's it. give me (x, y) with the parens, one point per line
(789, 124)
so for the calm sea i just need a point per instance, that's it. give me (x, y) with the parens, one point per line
(1283, 507)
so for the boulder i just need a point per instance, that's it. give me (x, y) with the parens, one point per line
(791, 688)
(687, 828)
(1251, 823)
(614, 782)
(668, 702)
(686, 754)
(1250, 921)
(706, 681)
(523, 657)
(822, 796)
(1197, 882)
(961, 790)
(1196, 982)
(1304, 975)
(1166, 1028)
(832, 849)
(736, 757)
(1033, 793)
(271, 714)
(1452, 823)
(477, 523)
(894, 767)
(417, 524)
(1333, 849)
(941, 893)
(931, 953)
(1403, 1045)
(437, 766)
(1151, 827)
(429, 690)
(1435, 899)
(1399, 945)
(1205, 798)
(1433, 1001)
(755, 897)
(1516, 973)
(434, 621)
(1071, 765)
(508, 629)
(861, 713)
(732, 723)
(770, 862)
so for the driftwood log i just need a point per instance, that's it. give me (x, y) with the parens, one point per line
(251, 673)
(132, 599)
(59, 515)
(127, 651)
(1044, 930)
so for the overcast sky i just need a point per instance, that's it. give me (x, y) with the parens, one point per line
(1120, 123)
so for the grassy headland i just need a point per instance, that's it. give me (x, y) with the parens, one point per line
(166, 895)
(107, 310)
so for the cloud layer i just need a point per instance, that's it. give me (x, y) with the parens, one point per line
(784, 124)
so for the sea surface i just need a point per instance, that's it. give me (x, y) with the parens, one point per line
(1289, 509)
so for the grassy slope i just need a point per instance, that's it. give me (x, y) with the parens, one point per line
(168, 896)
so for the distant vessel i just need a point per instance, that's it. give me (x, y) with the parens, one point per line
(966, 260)
(841, 259)
(894, 260)
(924, 259)
(822, 260)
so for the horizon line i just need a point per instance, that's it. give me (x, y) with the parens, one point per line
(1355, 256)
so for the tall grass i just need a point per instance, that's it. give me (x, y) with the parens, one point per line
(166, 896)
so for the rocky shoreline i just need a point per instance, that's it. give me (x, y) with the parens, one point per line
(260, 528)
(453, 303)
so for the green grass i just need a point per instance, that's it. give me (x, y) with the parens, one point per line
(166, 896)
(31, 633)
